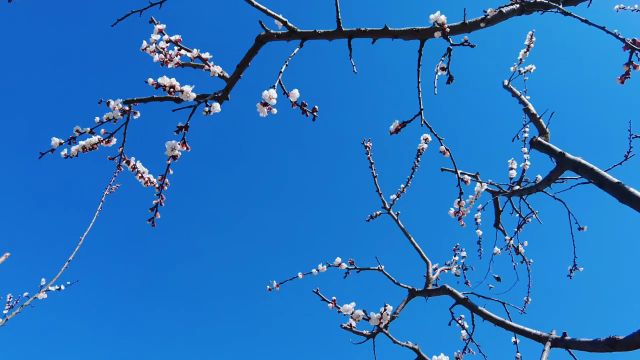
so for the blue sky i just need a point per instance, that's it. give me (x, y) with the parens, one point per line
(260, 199)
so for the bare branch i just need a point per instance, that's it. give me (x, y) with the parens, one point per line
(107, 191)
(279, 18)
(140, 11)
(612, 186)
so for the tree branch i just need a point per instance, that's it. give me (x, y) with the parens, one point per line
(612, 186)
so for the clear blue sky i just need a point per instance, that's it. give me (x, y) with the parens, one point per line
(260, 199)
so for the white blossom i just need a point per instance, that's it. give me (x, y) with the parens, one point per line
(438, 19)
(348, 309)
(374, 319)
(55, 142)
(294, 95)
(187, 93)
(216, 70)
(270, 96)
(262, 110)
(172, 148)
(357, 315)
(394, 126)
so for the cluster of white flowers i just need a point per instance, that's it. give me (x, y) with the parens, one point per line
(118, 111)
(160, 48)
(338, 263)
(440, 357)
(294, 95)
(477, 218)
(632, 8)
(462, 208)
(519, 249)
(141, 172)
(526, 163)
(173, 149)
(513, 165)
(56, 142)
(320, 269)
(496, 250)
(212, 109)
(529, 43)
(464, 327)
(425, 139)
(269, 99)
(444, 151)
(10, 303)
(381, 318)
(171, 86)
(438, 19)
(457, 264)
(349, 309)
(527, 69)
(87, 145)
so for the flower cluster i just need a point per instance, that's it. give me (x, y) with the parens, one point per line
(529, 43)
(87, 145)
(397, 126)
(381, 318)
(444, 151)
(456, 265)
(294, 96)
(171, 86)
(464, 327)
(141, 173)
(12, 302)
(462, 208)
(438, 19)
(622, 7)
(630, 64)
(513, 165)
(322, 267)
(173, 149)
(211, 109)
(266, 106)
(425, 139)
(117, 111)
(169, 51)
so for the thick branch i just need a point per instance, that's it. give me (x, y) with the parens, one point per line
(529, 110)
(609, 344)
(612, 186)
